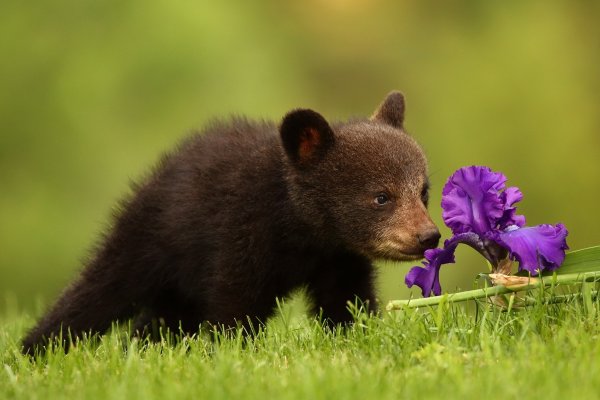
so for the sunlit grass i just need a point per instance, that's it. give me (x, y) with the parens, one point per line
(427, 353)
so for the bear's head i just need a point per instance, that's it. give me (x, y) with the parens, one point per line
(360, 184)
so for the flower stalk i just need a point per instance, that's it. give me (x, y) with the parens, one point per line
(568, 279)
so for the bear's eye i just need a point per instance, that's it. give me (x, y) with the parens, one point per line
(382, 199)
(425, 194)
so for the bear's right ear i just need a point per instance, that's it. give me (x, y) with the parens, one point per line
(306, 136)
(391, 111)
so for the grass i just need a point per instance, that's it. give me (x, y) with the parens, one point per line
(449, 351)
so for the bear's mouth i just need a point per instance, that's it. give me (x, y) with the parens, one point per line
(414, 256)
(408, 256)
(397, 252)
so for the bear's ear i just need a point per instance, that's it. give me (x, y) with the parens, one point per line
(306, 136)
(391, 111)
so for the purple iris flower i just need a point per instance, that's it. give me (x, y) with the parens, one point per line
(480, 211)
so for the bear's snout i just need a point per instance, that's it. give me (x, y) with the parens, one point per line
(429, 238)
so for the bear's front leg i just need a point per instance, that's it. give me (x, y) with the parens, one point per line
(344, 279)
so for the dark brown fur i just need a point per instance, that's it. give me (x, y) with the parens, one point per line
(238, 216)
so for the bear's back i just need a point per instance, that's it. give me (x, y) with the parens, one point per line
(220, 182)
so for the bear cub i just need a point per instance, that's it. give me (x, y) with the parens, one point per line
(245, 212)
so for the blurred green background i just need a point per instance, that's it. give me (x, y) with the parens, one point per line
(92, 92)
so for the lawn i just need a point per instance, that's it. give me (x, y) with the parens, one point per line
(450, 351)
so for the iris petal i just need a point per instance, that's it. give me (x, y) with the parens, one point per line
(471, 200)
(509, 197)
(428, 276)
(537, 248)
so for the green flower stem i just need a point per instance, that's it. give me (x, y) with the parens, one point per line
(563, 279)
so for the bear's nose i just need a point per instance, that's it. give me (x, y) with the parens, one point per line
(429, 238)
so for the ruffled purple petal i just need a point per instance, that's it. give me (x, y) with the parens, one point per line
(471, 200)
(509, 197)
(537, 248)
(428, 276)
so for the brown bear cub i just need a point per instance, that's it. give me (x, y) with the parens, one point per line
(244, 213)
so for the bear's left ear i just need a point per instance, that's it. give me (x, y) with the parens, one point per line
(306, 136)
(391, 111)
